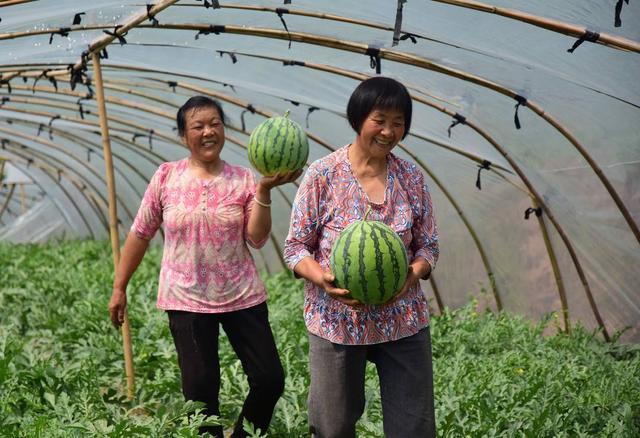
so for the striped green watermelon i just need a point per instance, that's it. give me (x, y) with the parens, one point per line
(370, 261)
(278, 145)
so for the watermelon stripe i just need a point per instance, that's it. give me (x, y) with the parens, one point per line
(266, 136)
(395, 252)
(273, 160)
(255, 143)
(361, 271)
(295, 158)
(345, 255)
(379, 266)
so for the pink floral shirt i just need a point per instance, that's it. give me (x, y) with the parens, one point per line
(328, 200)
(206, 264)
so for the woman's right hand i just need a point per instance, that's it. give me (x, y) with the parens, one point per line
(117, 306)
(131, 256)
(342, 295)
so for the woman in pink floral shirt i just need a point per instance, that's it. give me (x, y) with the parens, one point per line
(210, 210)
(343, 334)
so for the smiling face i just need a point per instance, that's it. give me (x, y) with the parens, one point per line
(382, 129)
(204, 134)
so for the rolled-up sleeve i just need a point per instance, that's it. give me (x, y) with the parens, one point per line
(149, 216)
(424, 230)
(302, 239)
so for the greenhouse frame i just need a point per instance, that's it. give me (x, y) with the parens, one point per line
(526, 126)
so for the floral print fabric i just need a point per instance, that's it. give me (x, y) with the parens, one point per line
(206, 264)
(328, 200)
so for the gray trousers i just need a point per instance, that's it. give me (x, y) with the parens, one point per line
(336, 396)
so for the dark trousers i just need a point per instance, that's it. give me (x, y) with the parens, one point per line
(196, 339)
(337, 399)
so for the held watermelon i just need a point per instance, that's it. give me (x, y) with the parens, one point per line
(370, 261)
(278, 145)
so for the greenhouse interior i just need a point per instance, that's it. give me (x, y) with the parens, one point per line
(525, 125)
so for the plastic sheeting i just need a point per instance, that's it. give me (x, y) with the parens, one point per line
(42, 222)
(53, 136)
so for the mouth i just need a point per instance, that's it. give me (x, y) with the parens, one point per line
(383, 142)
(209, 144)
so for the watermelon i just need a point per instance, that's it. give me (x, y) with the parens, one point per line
(278, 145)
(370, 261)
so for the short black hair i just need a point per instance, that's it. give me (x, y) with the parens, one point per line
(378, 92)
(196, 102)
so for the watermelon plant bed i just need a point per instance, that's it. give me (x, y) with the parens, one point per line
(61, 366)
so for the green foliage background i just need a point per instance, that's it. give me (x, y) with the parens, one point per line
(61, 366)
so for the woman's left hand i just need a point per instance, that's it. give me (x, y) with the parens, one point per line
(269, 182)
(421, 270)
(411, 280)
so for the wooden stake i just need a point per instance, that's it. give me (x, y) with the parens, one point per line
(23, 200)
(436, 293)
(113, 216)
(12, 187)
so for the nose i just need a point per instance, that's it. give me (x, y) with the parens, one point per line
(386, 130)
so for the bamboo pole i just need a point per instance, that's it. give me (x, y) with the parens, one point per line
(23, 205)
(14, 2)
(557, 274)
(113, 216)
(50, 30)
(569, 29)
(546, 23)
(104, 41)
(436, 293)
(12, 188)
